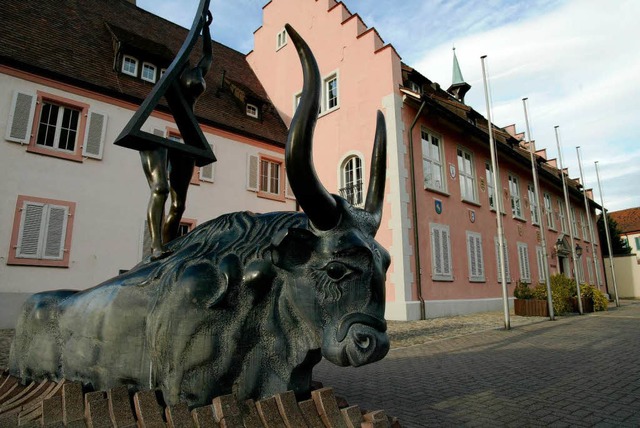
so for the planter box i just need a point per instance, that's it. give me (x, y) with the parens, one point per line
(587, 305)
(531, 308)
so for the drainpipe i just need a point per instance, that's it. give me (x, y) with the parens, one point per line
(414, 198)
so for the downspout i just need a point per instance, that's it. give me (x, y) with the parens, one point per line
(414, 198)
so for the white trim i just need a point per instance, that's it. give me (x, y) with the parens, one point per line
(155, 72)
(441, 247)
(515, 196)
(124, 71)
(352, 154)
(252, 110)
(475, 257)
(462, 174)
(24, 121)
(427, 159)
(523, 262)
(324, 107)
(281, 39)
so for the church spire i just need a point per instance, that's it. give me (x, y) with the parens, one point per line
(458, 87)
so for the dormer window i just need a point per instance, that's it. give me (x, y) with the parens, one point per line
(130, 66)
(252, 110)
(281, 39)
(148, 72)
(414, 87)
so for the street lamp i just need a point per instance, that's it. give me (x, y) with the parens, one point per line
(578, 250)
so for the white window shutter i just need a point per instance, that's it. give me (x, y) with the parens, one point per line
(446, 252)
(208, 172)
(471, 255)
(523, 258)
(506, 260)
(55, 233)
(21, 118)
(436, 247)
(252, 173)
(479, 258)
(96, 135)
(31, 230)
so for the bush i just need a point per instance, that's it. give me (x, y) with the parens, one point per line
(562, 289)
(522, 291)
(600, 302)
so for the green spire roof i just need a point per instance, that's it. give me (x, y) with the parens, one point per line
(457, 74)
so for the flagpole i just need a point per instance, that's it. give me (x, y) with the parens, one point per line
(606, 229)
(586, 208)
(494, 166)
(543, 232)
(566, 203)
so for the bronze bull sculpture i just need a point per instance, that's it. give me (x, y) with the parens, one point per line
(246, 303)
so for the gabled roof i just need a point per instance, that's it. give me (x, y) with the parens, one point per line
(75, 41)
(476, 124)
(628, 220)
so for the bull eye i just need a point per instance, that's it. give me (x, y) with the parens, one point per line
(336, 271)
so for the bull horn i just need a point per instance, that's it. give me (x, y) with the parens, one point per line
(319, 205)
(378, 173)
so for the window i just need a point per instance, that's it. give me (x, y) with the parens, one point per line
(514, 192)
(41, 232)
(637, 239)
(265, 176)
(351, 180)
(523, 261)
(130, 65)
(432, 162)
(533, 204)
(252, 110)
(56, 126)
(281, 39)
(506, 259)
(542, 264)
(585, 226)
(548, 212)
(466, 172)
(491, 190)
(186, 226)
(590, 269)
(441, 253)
(561, 215)
(574, 223)
(148, 72)
(474, 255)
(414, 87)
(330, 93)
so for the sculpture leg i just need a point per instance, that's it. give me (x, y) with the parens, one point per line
(180, 173)
(154, 164)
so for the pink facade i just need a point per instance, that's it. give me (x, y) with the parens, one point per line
(456, 233)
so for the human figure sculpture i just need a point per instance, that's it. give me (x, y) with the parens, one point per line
(169, 171)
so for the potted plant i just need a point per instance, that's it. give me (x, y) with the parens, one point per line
(527, 304)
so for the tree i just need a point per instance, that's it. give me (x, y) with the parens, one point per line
(619, 246)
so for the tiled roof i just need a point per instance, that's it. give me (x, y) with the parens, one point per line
(75, 41)
(628, 220)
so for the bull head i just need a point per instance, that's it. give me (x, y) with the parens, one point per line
(337, 256)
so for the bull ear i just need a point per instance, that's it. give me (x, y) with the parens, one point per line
(292, 247)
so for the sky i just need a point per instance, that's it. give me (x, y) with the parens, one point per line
(576, 61)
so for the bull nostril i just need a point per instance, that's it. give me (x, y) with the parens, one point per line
(363, 341)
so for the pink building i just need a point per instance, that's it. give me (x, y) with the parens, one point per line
(439, 219)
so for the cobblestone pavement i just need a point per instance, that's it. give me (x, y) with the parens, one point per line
(468, 371)
(576, 371)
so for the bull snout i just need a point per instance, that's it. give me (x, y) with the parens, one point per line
(365, 345)
(358, 339)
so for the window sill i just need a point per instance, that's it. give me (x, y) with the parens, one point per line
(470, 202)
(271, 196)
(522, 219)
(440, 192)
(442, 278)
(328, 112)
(477, 280)
(34, 148)
(15, 261)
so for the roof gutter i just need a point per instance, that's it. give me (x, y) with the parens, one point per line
(414, 200)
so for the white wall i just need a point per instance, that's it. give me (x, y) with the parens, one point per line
(111, 196)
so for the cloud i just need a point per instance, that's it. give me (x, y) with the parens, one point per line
(578, 65)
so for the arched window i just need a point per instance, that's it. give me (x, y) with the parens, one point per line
(351, 180)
